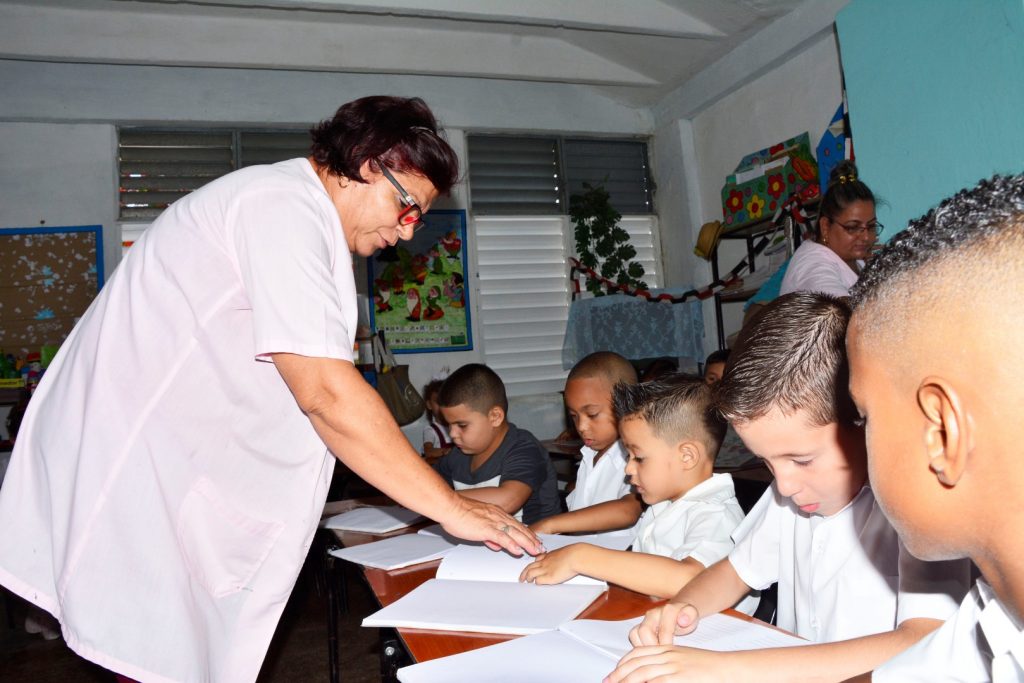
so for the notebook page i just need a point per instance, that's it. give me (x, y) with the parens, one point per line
(396, 552)
(373, 520)
(549, 657)
(486, 607)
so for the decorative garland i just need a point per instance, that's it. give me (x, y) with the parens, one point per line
(793, 206)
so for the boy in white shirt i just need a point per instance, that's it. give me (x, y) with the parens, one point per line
(603, 499)
(942, 413)
(845, 582)
(672, 435)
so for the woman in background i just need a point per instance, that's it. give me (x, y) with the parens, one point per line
(847, 232)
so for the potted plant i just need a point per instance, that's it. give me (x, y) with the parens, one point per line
(602, 245)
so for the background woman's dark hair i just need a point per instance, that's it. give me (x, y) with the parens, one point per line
(399, 132)
(844, 188)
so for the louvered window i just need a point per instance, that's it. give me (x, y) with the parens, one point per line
(620, 166)
(514, 175)
(158, 167)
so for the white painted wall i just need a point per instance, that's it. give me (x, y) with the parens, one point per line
(59, 174)
(799, 95)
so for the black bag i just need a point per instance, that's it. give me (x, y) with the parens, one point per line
(393, 384)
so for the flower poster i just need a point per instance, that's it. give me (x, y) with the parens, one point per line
(763, 180)
(420, 298)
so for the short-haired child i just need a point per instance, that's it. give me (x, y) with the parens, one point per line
(672, 434)
(492, 460)
(436, 441)
(714, 366)
(937, 314)
(602, 500)
(845, 582)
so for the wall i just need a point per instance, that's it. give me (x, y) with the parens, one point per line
(798, 95)
(58, 142)
(935, 94)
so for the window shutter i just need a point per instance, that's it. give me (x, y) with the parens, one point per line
(157, 168)
(514, 175)
(270, 147)
(524, 299)
(620, 166)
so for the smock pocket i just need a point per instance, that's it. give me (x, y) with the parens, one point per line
(222, 547)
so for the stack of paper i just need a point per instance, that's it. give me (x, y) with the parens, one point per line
(373, 520)
(584, 650)
(398, 551)
(478, 589)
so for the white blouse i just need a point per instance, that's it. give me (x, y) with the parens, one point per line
(816, 268)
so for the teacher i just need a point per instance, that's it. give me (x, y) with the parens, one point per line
(173, 464)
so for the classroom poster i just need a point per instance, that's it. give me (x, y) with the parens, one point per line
(419, 293)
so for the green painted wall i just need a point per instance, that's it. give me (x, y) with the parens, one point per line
(936, 96)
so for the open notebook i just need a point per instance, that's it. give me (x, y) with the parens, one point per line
(478, 589)
(584, 650)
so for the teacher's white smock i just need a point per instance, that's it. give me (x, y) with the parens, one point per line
(165, 486)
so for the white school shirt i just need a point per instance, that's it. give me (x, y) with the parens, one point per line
(699, 524)
(843, 576)
(982, 642)
(816, 268)
(602, 482)
(165, 486)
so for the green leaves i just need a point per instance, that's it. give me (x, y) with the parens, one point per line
(600, 240)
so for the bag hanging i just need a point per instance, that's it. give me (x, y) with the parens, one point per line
(393, 385)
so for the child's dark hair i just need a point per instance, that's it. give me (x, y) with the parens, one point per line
(605, 364)
(474, 385)
(720, 356)
(844, 188)
(982, 227)
(792, 356)
(432, 387)
(677, 407)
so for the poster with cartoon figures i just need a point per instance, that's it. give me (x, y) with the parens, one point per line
(419, 288)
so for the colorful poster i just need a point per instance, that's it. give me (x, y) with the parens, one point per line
(420, 298)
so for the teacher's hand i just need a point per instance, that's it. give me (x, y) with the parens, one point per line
(476, 521)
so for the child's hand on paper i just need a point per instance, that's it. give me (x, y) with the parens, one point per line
(672, 663)
(553, 567)
(662, 624)
(545, 526)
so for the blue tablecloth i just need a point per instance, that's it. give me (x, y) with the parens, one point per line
(634, 328)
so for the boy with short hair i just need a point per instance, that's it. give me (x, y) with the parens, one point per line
(493, 460)
(845, 582)
(603, 499)
(942, 421)
(714, 366)
(672, 434)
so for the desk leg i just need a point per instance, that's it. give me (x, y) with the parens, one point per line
(337, 601)
(392, 655)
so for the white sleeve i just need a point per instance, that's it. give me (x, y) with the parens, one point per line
(286, 250)
(756, 555)
(812, 273)
(930, 590)
(429, 436)
(708, 535)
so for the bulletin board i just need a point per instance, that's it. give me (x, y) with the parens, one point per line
(420, 297)
(48, 278)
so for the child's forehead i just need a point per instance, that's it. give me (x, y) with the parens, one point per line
(462, 411)
(594, 386)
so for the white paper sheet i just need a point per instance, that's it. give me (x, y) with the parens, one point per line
(373, 520)
(397, 552)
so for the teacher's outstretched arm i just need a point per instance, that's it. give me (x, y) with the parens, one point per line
(358, 428)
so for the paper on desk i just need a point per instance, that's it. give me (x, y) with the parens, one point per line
(583, 650)
(373, 520)
(486, 606)
(397, 552)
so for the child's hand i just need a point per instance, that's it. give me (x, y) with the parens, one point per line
(672, 663)
(553, 567)
(662, 624)
(545, 526)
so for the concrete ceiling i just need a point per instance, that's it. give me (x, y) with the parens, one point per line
(636, 51)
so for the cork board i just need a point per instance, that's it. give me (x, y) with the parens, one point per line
(48, 277)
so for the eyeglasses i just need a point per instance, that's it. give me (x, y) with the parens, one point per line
(411, 215)
(857, 229)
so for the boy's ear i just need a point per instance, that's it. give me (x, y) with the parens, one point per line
(496, 416)
(948, 436)
(689, 454)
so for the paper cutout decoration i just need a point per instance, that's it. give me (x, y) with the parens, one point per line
(832, 146)
(764, 180)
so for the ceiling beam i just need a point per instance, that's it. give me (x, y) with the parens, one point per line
(642, 17)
